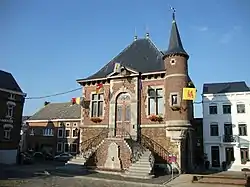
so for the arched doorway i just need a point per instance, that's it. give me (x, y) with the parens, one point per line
(123, 115)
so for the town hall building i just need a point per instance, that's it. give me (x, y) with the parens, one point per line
(133, 109)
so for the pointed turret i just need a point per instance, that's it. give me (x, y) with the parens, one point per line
(175, 45)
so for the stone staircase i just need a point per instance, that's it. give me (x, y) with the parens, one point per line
(81, 159)
(142, 167)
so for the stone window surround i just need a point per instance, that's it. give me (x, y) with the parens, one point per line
(65, 132)
(134, 104)
(72, 146)
(65, 147)
(147, 98)
(103, 107)
(73, 132)
(58, 146)
(178, 99)
(10, 107)
(7, 131)
(60, 129)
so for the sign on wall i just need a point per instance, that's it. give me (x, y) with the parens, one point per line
(189, 94)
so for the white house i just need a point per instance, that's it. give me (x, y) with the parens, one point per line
(226, 124)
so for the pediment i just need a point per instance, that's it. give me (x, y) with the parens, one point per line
(125, 71)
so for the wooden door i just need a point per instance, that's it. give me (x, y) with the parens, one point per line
(123, 115)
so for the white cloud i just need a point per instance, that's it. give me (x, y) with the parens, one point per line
(228, 36)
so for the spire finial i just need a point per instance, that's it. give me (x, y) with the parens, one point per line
(147, 32)
(135, 36)
(173, 14)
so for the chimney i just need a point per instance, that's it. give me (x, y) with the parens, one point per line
(46, 103)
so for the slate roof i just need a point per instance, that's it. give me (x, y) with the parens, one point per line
(175, 44)
(8, 82)
(226, 87)
(141, 56)
(58, 111)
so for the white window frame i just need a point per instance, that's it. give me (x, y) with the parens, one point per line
(10, 110)
(73, 133)
(65, 132)
(67, 124)
(72, 146)
(48, 132)
(7, 133)
(68, 147)
(62, 148)
(156, 103)
(60, 129)
(98, 105)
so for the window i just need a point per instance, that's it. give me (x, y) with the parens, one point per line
(226, 109)
(48, 132)
(244, 155)
(214, 130)
(10, 110)
(67, 133)
(32, 132)
(59, 147)
(119, 113)
(240, 108)
(12, 96)
(97, 105)
(75, 133)
(73, 147)
(242, 129)
(7, 133)
(66, 147)
(127, 113)
(67, 124)
(60, 133)
(213, 109)
(174, 99)
(155, 101)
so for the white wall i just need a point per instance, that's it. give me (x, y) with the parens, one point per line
(220, 118)
(8, 156)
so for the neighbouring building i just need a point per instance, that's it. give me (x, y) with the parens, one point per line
(23, 133)
(134, 103)
(11, 101)
(54, 129)
(226, 124)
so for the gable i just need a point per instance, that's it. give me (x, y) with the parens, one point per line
(125, 71)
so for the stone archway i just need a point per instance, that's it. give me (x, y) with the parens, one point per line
(123, 115)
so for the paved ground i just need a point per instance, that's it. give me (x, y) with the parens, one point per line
(33, 175)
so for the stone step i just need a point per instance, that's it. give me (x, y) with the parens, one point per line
(138, 175)
(140, 167)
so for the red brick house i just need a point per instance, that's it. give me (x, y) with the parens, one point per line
(139, 109)
(54, 129)
(11, 110)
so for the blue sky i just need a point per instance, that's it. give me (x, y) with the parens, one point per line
(47, 45)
